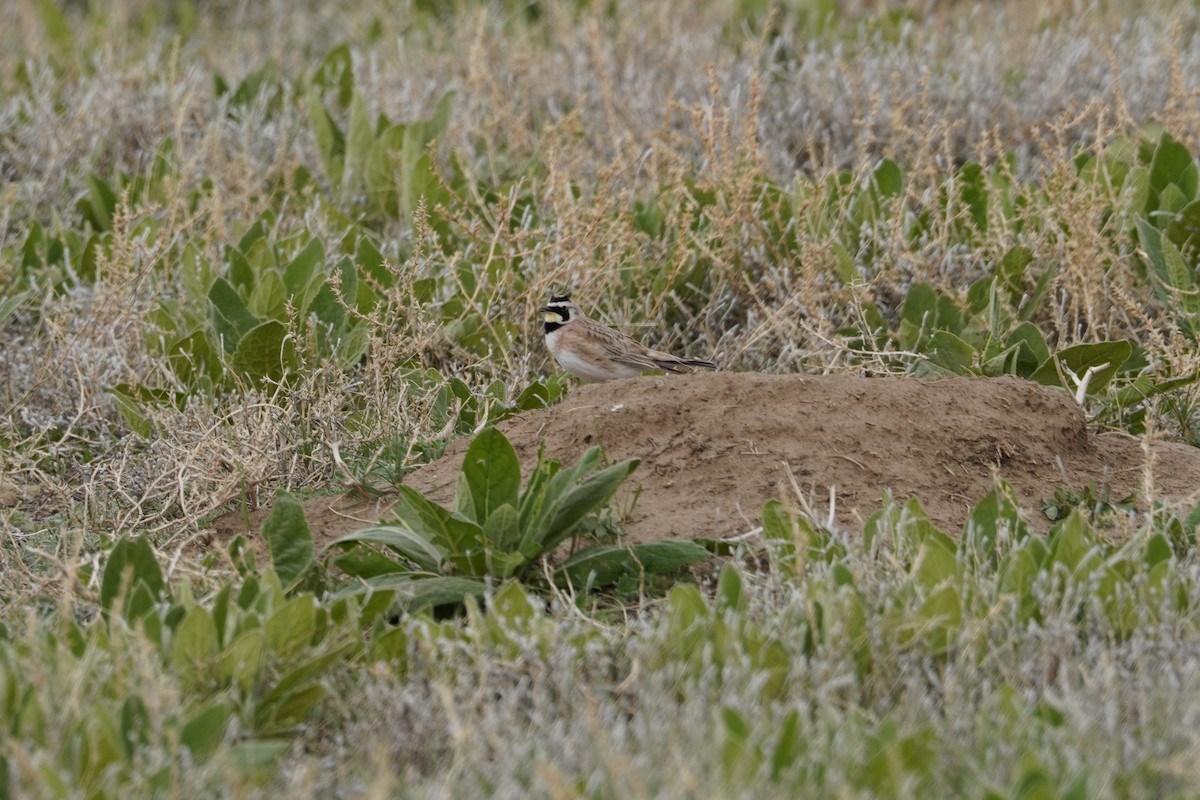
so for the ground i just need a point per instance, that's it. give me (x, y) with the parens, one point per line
(716, 446)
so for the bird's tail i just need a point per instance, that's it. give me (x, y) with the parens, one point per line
(670, 362)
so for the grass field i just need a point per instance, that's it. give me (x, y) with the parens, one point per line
(249, 249)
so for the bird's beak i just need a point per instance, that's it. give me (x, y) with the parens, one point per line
(544, 310)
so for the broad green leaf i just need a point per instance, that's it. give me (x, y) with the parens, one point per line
(888, 178)
(204, 731)
(265, 352)
(290, 710)
(493, 473)
(1184, 228)
(269, 296)
(131, 561)
(974, 193)
(352, 346)
(1033, 302)
(415, 594)
(360, 137)
(1172, 165)
(789, 746)
(502, 529)
(231, 319)
(589, 495)
(102, 202)
(1158, 550)
(331, 144)
(1109, 356)
(291, 626)
(312, 666)
(936, 561)
(1071, 540)
(288, 538)
(452, 533)
(327, 308)
(365, 562)
(941, 617)
(195, 645)
(604, 565)
(1032, 351)
(336, 71)
(257, 754)
(9, 305)
(408, 544)
(730, 594)
(951, 353)
(1010, 269)
(1181, 277)
(920, 306)
(242, 660)
(302, 271)
(131, 411)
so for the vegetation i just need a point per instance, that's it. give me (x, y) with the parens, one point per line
(252, 249)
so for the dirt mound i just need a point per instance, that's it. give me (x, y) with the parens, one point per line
(715, 446)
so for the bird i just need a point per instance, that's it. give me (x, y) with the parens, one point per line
(595, 352)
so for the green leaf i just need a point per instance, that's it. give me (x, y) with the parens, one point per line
(195, 646)
(131, 411)
(290, 710)
(1011, 270)
(920, 306)
(102, 203)
(407, 543)
(492, 472)
(1172, 165)
(1184, 228)
(288, 539)
(331, 143)
(415, 594)
(888, 178)
(360, 137)
(242, 661)
(1078, 359)
(336, 71)
(951, 353)
(292, 626)
(131, 561)
(268, 298)
(302, 271)
(1032, 349)
(1034, 302)
(231, 319)
(265, 352)
(450, 532)
(974, 193)
(605, 564)
(257, 754)
(9, 305)
(203, 733)
(1071, 540)
(587, 496)
(502, 529)
(352, 346)
(1180, 277)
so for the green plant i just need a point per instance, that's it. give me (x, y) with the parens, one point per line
(433, 555)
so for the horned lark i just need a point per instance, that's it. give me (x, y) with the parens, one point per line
(595, 352)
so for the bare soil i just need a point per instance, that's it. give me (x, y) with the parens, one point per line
(716, 446)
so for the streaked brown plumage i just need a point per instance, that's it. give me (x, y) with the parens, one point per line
(595, 352)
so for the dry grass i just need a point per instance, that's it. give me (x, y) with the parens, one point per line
(589, 113)
(574, 119)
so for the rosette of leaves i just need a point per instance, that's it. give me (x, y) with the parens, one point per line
(431, 555)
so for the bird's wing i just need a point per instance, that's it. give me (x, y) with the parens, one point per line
(626, 350)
